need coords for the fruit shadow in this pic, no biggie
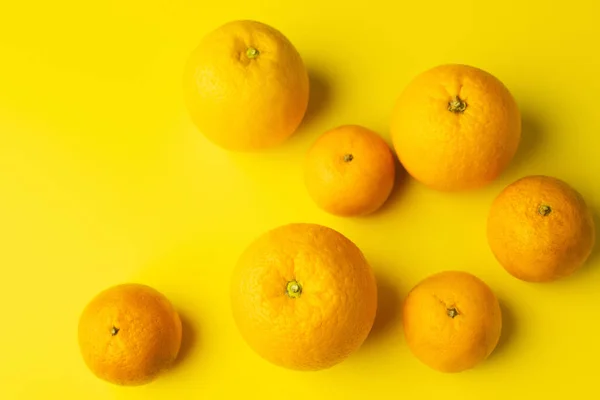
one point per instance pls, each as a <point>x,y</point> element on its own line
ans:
<point>531,140</point>
<point>189,340</point>
<point>319,102</point>
<point>389,310</point>
<point>401,181</point>
<point>591,268</point>
<point>319,96</point>
<point>508,331</point>
<point>594,257</point>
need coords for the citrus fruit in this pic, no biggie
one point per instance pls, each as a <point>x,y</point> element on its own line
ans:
<point>455,127</point>
<point>129,334</point>
<point>246,86</point>
<point>452,321</point>
<point>349,171</point>
<point>540,229</point>
<point>303,296</point>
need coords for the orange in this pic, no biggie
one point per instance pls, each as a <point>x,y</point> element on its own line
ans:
<point>129,334</point>
<point>349,171</point>
<point>303,296</point>
<point>452,321</point>
<point>455,127</point>
<point>540,229</point>
<point>246,86</point>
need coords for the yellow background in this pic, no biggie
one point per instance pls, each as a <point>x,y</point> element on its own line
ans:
<point>103,179</point>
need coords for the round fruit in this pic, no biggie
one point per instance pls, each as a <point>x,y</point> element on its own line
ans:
<point>455,127</point>
<point>540,229</point>
<point>129,334</point>
<point>246,86</point>
<point>452,321</point>
<point>350,171</point>
<point>303,296</point>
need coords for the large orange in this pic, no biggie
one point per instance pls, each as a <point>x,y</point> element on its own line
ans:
<point>246,86</point>
<point>129,334</point>
<point>349,171</point>
<point>452,321</point>
<point>303,296</point>
<point>455,127</point>
<point>540,229</point>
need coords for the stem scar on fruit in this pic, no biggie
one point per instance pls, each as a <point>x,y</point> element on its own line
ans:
<point>348,157</point>
<point>114,331</point>
<point>544,210</point>
<point>457,105</point>
<point>251,52</point>
<point>293,289</point>
<point>452,312</point>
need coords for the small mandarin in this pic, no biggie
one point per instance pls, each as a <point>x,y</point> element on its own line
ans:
<point>452,321</point>
<point>349,171</point>
<point>540,229</point>
<point>129,334</point>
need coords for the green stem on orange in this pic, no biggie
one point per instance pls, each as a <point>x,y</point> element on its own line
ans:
<point>457,105</point>
<point>544,210</point>
<point>251,52</point>
<point>293,289</point>
<point>452,312</point>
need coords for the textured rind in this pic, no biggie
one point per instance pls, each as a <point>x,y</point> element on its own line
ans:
<point>148,339</point>
<point>358,187</point>
<point>244,104</point>
<point>537,248</point>
<point>452,344</point>
<point>333,315</point>
<point>455,151</point>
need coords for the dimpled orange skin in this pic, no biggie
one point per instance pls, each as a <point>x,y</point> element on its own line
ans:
<point>455,127</point>
<point>540,229</point>
<point>452,321</point>
<point>349,171</point>
<point>325,319</point>
<point>129,334</point>
<point>246,86</point>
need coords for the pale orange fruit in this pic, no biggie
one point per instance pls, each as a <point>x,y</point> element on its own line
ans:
<point>246,86</point>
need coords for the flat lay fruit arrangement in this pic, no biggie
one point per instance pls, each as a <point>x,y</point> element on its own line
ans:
<point>304,296</point>
<point>292,247</point>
